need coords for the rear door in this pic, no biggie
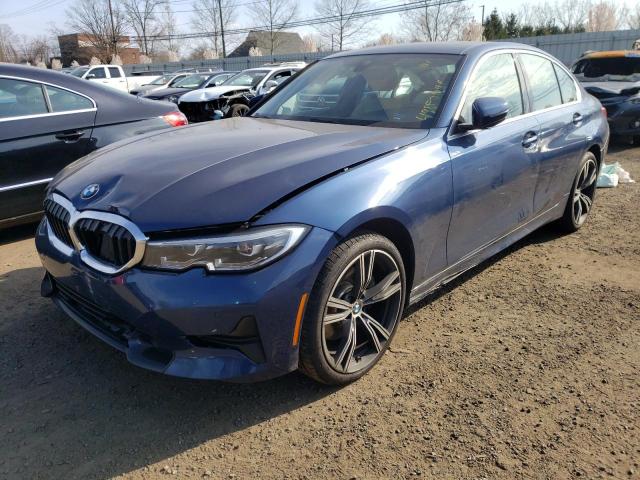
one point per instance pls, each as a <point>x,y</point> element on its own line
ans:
<point>42,129</point>
<point>494,170</point>
<point>554,99</point>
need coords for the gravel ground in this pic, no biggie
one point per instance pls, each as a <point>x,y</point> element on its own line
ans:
<point>526,367</point>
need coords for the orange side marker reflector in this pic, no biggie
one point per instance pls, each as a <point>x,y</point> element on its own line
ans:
<point>296,330</point>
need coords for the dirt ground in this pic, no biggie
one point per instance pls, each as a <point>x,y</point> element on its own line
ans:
<point>527,367</point>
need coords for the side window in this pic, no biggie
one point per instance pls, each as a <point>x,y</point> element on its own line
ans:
<point>98,72</point>
<point>19,98</point>
<point>567,85</point>
<point>114,72</point>
<point>64,101</point>
<point>281,76</point>
<point>543,84</point>
<point>496,77</point>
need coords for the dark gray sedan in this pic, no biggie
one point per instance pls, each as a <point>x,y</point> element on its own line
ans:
<point>49,119</point>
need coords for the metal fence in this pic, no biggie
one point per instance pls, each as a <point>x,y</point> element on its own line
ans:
<point>229,64</point>
<point>566,47</point>
<point>569,47</point>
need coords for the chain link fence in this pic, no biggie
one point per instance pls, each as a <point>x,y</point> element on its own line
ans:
<point>228,64</point>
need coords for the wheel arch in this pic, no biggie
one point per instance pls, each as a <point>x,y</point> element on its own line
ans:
<point>597,152</point>
<point>389,223</point>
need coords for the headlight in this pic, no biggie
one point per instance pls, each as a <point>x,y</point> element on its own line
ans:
<point>173,98</point>
<point>235,252</point>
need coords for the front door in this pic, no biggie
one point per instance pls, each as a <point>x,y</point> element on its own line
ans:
<point>494,170</point>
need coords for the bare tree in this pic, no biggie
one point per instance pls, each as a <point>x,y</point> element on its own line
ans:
<point>310,43</point>
<point>348,27</point>
<point>273,17</point>
<point>572,14</point>
<point>142,16</point>
<point>606,15</point>
<point>634,18</point>
<point>8,53</point>
<point>169,27</point>
<point>93,18</point>
<point>472,32</point>
<point>214,16</point>
<point>537,14</point>
<point>437,22</point>
<point>34,50</point>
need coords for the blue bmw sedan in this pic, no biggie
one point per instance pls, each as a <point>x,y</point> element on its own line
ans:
<point>294,237</point>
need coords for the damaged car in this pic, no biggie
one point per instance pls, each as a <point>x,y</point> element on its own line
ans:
<point>190,82</point>
<point>614,79</point>
<point>296,236</point>
<point>234,97</point>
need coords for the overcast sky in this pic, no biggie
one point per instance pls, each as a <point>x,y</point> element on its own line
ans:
<point>35,22</point>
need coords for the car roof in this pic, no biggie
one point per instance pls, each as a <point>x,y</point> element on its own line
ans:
<point>612,54</point>
<point>37,74</point>
<point>453,48</point>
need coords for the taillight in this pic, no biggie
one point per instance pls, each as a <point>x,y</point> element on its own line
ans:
<point>604,111</point>
<point>175,119</point>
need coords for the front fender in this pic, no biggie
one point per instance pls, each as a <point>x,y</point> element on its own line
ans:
<point>411,186</point>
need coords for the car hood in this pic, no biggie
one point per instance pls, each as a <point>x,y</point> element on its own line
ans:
<point>165,92</point>
<point>222,172</point>
<point>211,93</point>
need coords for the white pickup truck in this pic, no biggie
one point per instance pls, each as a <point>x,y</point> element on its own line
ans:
<point>112,76</point>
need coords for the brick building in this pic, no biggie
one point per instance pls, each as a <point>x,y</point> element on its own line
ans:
<point>79,47</point>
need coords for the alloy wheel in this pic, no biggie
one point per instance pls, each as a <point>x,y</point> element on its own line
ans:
<point>362,311</point>
<point>584,191</point>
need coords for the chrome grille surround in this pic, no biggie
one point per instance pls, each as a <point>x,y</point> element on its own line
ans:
<point>85,256</point>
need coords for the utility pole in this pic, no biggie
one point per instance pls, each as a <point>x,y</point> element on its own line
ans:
<point>224,50</point>
<point>113,30</point>
<point>482,23</point>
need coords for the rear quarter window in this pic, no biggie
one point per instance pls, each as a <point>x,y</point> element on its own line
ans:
<point>567,85</point>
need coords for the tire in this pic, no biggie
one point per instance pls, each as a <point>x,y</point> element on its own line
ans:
<point>238,110</point>
<point>582,195</point>
<point>371,312</point>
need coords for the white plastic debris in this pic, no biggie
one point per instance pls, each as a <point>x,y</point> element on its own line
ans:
<point>611,175</point>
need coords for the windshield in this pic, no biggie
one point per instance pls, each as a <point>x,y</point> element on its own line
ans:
<point>162,79</point>
<point>247,78</point>
<point>191,81</point>
<point>78,72</point>
<point>395,90</point>
<point>621,69</point>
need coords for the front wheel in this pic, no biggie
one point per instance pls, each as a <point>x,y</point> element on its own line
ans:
<point>238,110</point>
<point>354,310</point>
<point>582,195</point>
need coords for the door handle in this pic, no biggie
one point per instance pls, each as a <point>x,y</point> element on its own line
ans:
<point>530,139</point>
<point>577,118</point>
<point>69,137</point>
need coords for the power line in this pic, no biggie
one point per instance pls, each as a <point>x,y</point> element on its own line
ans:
<point>414,5</point>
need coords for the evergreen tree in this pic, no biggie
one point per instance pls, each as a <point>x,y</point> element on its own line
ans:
<point>511,26</point>
<point>494,27</point>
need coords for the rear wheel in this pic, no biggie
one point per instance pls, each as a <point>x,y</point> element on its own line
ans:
<point>582,194</point>
<point>354,310</point>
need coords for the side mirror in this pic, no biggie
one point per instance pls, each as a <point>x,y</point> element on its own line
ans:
<point>270,85</point>
<point>486,112</point>
<point>91,76</point>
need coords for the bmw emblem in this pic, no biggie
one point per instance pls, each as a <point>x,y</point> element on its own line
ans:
<point>89,191</point>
